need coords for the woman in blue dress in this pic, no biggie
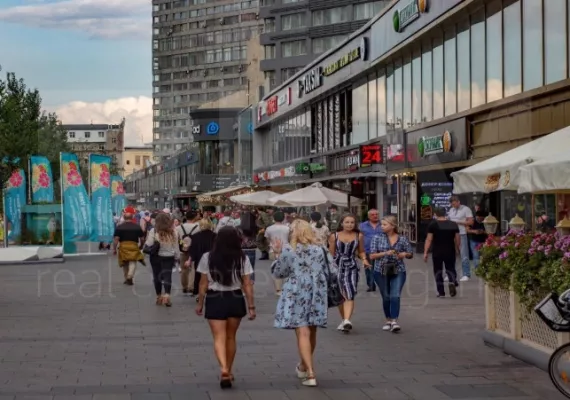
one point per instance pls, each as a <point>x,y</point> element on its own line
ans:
<point>344,246</point>
<point>303,305</point>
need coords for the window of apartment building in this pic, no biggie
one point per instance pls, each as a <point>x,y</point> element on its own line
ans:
<point>164,88</point>
<point>331,16</point>
<point>114,140</point>
<point>288,73</point>
<point>321,45</point>
<point>269,52</point>
<point>270,77</point>
<point>128,162</point>
<point>294,48</point>
<point>269,25</point>
<point>214,83</point>
<point>265,3</point>
<point>101,147</point>
<point>101,134</point>
<point>71,134</point>
<point>368,10</point>
<point>249,17</point>
<point>137,160</point>
<point>87,135</point>
<point>290,1</point>
<point>293,21</point>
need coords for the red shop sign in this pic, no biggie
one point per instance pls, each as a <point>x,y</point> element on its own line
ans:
<point>370,154</point>
<point>272,105</point>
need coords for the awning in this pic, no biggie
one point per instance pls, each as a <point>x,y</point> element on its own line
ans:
<point>230,189</point>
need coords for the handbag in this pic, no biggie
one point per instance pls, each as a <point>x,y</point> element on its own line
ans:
<point>153,249</point>
<point>334,294</point>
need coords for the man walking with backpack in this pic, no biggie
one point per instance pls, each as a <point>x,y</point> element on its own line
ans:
<point>184,233</point>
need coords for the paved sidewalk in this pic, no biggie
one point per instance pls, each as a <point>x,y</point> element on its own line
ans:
<point>73,331</point>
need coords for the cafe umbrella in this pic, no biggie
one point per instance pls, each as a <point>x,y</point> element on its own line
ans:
<point>314,195</point>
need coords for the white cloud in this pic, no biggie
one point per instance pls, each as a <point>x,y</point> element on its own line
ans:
<point>137,112</point>
<point>97,18</point>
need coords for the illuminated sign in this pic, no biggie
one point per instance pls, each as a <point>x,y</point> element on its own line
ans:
<point>408,14</point>
<point>370,154</point>
<point>311,81</point>
<point>271,106</point>
<point>360,53</point>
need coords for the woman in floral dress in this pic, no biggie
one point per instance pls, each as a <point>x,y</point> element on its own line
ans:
<point>303,302</point>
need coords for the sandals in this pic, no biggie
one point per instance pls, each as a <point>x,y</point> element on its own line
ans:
<point>226,380</point>
<point>163,300</point>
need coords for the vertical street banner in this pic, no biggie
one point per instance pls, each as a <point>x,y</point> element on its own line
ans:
<point>76,207</point>
<point>118,198</point>
<point>14,200</point>
<point>100,184</point>
<point>41,180</point>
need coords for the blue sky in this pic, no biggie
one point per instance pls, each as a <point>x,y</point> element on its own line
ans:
<point>78,50</point>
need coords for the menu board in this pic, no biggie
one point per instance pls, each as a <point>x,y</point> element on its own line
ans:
<point>434,195</point>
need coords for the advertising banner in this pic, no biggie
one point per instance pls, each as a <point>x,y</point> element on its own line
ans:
<point>118,199</point>
<point>42,180</point>
<point>76,207</point>
<point>14,200</point>
<point>100,184</point>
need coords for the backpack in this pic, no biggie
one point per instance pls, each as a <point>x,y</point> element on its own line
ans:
<point>186,240</point>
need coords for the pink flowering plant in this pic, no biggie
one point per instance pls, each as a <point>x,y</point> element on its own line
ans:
<point>531,265</point>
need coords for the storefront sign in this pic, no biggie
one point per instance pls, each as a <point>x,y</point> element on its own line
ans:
<point>360,53</point>
<point>353,161</point>
<point>195,130</point>
<point>305,168</point>
<point>261,110</point>
<point>284,99</point>
<point>434,195</point>
<point>370,154</point>
<point>434,145</point>
<point>311,81</point>
<point>271,106</point>
<point>408,14</point>
<point>281,173</point>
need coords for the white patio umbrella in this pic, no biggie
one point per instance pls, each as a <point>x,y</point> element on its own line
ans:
<point>314,195</point>
<point>545,174</point>
<point>254,198</point>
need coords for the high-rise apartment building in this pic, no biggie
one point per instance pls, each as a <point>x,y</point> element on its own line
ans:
<point>199,55</point>
<point>297,31</point>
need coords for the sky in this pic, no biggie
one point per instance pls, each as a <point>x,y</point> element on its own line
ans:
<point>90,59</point>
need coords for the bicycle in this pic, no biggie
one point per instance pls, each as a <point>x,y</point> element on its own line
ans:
<point>554,310</point>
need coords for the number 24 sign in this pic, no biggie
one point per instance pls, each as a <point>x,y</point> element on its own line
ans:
<point>370,154</point>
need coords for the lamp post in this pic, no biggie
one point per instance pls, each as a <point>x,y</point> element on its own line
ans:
<point>563,227</point>
<point>517,224</point>
<point>491,224</point>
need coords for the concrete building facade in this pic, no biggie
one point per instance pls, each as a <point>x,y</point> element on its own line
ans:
<point>199,55</point>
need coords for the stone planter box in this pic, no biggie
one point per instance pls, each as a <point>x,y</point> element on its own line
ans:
<point>516,332</point>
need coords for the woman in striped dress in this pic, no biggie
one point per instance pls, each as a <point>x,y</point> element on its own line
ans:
<point>344,245</point>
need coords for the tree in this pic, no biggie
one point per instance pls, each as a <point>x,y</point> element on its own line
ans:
<point>25,130</point>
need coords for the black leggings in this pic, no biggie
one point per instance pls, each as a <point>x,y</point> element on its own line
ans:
<point>162,273</point>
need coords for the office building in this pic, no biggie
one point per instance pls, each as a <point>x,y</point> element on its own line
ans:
<point>296,32</point>
<point>199,55</point>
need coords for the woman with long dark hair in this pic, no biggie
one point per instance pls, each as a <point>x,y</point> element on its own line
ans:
<point>320,230</point>
<point>202,242</point>
<point>225,275</point>
<point>249,229</point>
<point>168,254</point>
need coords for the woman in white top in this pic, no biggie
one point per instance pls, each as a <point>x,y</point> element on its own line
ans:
<point>321,231</point>
<point>225,275</point>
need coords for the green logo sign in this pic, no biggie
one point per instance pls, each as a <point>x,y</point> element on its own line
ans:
<point>305,168</point>
<point>434,145</point>
<point>425,200</point>
<point>408,14</point>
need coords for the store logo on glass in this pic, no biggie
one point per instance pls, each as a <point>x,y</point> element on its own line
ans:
<point>409,13</point>
<point>428,146</point>
<point>212,129</point>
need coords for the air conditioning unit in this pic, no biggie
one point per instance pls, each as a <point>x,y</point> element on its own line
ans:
<point>221,21</point>
<point>222,70</point>
<point>170,32</point>
<point>256,15</point>
<point>240,69</point>
<point>203,25</point>
<point>205,73</point>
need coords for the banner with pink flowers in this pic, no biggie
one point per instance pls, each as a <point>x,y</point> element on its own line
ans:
<point>14,200</point>
<point>101,210</point>
<point>42,180</point>
<point>118,195</point>
<point>76,206</point>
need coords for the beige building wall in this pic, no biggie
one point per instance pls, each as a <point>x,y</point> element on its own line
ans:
<point>242,98</point>
<point>135,158</point>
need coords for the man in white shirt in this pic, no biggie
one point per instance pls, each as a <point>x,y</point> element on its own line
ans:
<point>225,220</point>
<point>184,233</point>
<point>277,231</point>
<point>463,217</point>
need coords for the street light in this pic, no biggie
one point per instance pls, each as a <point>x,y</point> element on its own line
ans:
<point>517,224</point>
<point>491,224</point>
<point>563,227</point>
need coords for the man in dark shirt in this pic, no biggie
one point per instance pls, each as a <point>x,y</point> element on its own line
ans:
<point>477,235</point>
<point>129,237</point>
<point>444,240</point>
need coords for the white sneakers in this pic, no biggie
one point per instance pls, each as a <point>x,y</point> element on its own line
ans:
<point>464,279</point>
<point>392,327</point>
<point>306,380</point>
<point>345,326</point>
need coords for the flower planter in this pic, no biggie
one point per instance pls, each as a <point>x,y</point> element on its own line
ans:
<point>520,334</point>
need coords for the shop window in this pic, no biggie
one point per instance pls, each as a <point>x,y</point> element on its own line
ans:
<point>390,98</point>
<point>417,88</point>
<point>349,135</point>
<point>555,40</point>
<point>360,114</point>
<point>325,121</point>
<point>427,83</point>
<point>398,94</point>
<point>450,71</point>
<point>494,52</point>
<point>532,44</point>
<point>381,100</point>
<point>512,48</point>
<point>478,58</point>
<point>463,71</point>
<point>330,123</point>
<point>407,93</point>
<point>372,107</point>
<point>438,78</point>
<point>336,121</point>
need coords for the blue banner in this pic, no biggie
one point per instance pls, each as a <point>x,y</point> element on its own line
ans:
<point>76,207</point>
<point>101,213</point>
<point>42,180</point>
<point>14,200</point>
<point>118,198</point>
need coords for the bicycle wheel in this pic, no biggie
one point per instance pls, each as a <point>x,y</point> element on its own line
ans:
<point>559,369</point>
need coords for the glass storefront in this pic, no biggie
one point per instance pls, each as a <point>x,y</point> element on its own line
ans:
<point>290,138</point>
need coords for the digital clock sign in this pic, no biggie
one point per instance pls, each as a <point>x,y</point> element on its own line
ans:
<point>370,154</point>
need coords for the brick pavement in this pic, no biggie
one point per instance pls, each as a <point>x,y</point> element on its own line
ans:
<point>73,331</point>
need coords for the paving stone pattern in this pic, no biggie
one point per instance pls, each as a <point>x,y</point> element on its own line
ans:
<point>73,331</point>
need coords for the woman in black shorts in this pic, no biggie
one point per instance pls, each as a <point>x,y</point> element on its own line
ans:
<point>225,276</point>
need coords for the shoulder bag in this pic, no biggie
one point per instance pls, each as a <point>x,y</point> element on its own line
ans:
<point>153,249</point>
<point>334,294</point>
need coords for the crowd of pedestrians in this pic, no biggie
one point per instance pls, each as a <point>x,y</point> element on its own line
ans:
<point>316,265</point>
